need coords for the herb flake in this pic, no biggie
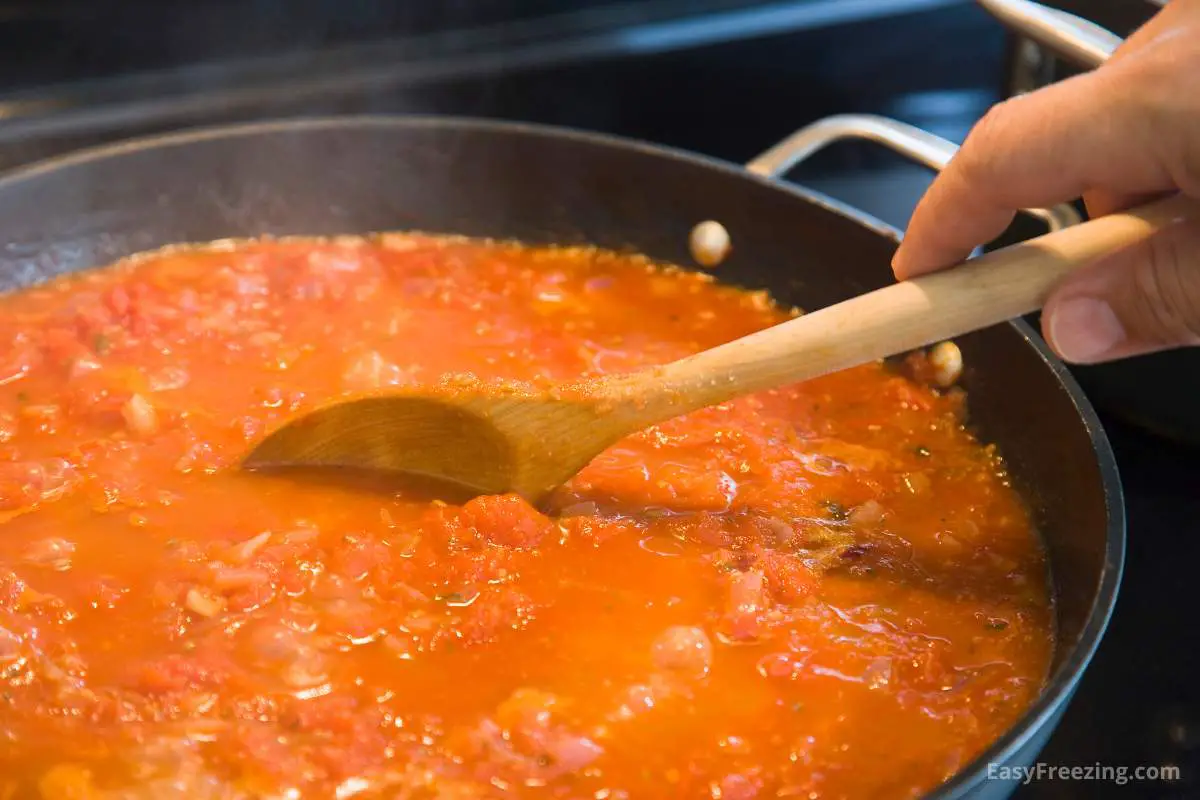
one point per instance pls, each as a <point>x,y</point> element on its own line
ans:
<point>836,511</point>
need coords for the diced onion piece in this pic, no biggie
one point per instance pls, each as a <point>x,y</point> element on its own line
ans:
<point>244,551</point>
<point>168,378</point>
<point>747,600</point>
<point>526,706</point>
<point>684,650</point>
<point>226,579</point>
<point>636,700</point>
<point>301,534</point>
<point>946,359</point>
<point>140,416</point>
<point>53,552</point>
<point>351,787</point>
<point>569,752</point>
<point>41,412</point>
<point>866,516</point>
<point>27,483</point>
<point>747,591</point>
<point>30,597</point>
<point>781,533</point>
<point>289,654</point>
<point>276,643</point>
<point>709,243</point>
<point>82,366</point>
<point>527,735</point>
<point>878,673</point>
<point>200,602</point>
<point>303,674</point>
<point>777,666</point>
<point>372,371</point>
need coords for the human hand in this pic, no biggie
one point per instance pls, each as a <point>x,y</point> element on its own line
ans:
<point>1117,136</point>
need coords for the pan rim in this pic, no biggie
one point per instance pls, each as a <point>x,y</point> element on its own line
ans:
<point>1059,687</point>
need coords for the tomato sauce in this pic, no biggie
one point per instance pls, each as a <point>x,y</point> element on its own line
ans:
<point>829,590</point>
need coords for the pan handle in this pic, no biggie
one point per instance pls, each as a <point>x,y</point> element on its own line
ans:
<point>921,146</point>
<point>1084,43</point>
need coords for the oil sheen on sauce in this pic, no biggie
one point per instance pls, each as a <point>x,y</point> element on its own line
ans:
<point>824,591</point>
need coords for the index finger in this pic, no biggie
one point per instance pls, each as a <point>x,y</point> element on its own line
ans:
<point>1036,150</point>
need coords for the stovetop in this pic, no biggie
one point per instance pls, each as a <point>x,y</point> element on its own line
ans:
<point>720,77</point>
<point>1138,703</point>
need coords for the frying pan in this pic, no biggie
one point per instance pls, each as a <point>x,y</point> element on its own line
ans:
<point>549,185</point>
<point>1155,392</point>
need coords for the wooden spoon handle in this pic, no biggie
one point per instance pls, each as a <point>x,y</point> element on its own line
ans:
<point>986,290</point>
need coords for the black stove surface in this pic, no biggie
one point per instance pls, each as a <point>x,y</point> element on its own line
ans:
<point>1139,703</point>
<point>934,63</point>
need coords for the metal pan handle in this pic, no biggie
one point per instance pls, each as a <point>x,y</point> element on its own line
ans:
<point>921,146</point>
<point>1084,43</point>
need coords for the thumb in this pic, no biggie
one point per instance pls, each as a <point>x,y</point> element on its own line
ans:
<point>1140,300</point>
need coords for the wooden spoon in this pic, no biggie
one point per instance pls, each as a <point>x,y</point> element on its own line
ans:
<point>489,441</point>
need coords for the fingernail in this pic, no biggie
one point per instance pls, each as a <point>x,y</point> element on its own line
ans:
<point>1084,329</point>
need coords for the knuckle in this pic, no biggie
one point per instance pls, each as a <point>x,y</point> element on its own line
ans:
<point>1158,90</point>
<point>1165,301</point>
<point>976,160</point>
